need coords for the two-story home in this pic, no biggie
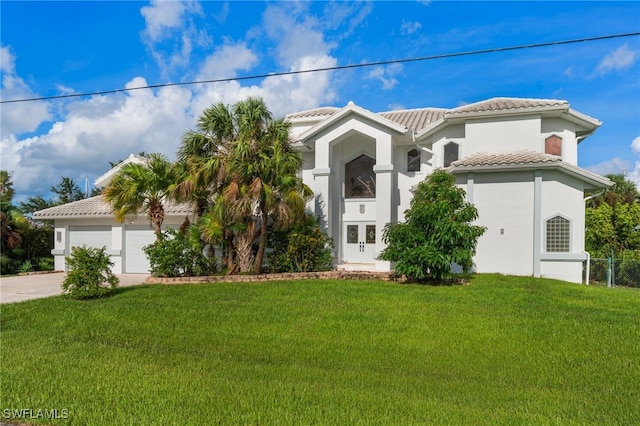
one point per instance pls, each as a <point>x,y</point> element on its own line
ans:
<point>515,158</point>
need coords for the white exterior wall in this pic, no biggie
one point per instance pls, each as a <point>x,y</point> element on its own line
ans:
<point>502,135</point>
<point>505,203</point>
<point>564,129</point>
<point>563,195</point>
<point>115,249</point>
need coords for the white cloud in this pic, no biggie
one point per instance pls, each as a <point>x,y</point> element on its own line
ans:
<point>226,61</point>
<point>96,131</point>
<point>409,27</point>
<point>170,34</point>
<point>617,165</point>
<point>618,60</point>
<point>386,75</point>
<point>23,116</point>
<point>93,131</point>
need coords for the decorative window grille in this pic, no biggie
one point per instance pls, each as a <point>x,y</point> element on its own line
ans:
<point>558,234</point>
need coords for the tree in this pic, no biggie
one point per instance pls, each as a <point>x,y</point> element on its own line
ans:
<point>239,163</point>
<point>142,188</point>
<point>437,231</point>
<point>622,191</point>
<point>67,191</point>
<point>612,220</point>
<point>34,204</point>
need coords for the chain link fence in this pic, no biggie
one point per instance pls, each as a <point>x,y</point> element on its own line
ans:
<point>612,272</point>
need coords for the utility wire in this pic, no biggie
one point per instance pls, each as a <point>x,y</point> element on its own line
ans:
<point>336,68</point>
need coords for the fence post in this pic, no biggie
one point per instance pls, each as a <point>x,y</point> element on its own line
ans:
<point>609,271</point>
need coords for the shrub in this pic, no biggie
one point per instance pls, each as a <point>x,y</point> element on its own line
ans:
<point>303,248</point>
<point>25,267</point>
<point>180,254</point>
<point>89,273</point>
<point>437,231</point>
<point>46,264</point>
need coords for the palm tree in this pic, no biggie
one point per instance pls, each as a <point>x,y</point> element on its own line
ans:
<point>142,188</point>
<point>623,191</point>
<point>242,158</point>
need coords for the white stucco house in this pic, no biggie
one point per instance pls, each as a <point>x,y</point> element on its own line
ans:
<point>515,158</point>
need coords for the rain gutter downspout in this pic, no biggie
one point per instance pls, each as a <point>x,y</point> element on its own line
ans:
<point>588,268</point>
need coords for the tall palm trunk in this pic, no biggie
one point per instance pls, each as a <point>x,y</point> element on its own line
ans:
<point>244,249</point>
<point>262,244</point>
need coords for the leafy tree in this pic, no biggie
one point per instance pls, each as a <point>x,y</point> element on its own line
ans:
<point>142,188</point>
<point>437,231</point>
<point>6,190</point>
<point>37,203</point>
<point>612,220</point>
<point>67,191</point>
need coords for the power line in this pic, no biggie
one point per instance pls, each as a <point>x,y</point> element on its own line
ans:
<point>336,68</point>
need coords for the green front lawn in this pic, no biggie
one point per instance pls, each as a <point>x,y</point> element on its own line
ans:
<point>502,350</point>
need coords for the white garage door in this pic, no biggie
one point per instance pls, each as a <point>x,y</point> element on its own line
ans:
<point>135,259</point>
<point>91,236</point>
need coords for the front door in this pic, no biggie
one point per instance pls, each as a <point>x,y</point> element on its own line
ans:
<point>359,242</point>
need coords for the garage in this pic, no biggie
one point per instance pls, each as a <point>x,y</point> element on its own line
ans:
<point>91,236</point>
<point>135,239</point>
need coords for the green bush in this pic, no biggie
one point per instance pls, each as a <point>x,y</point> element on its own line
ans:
<point>437,231</point>
<point>26,267</point>
<point>46,264</point>
<point>180,254</point>
<point>303,248</point>
<point>89,273</point>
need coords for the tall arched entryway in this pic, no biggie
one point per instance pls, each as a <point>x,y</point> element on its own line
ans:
<point>359,226</point>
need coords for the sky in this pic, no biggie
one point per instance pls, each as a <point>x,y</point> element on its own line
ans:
<point>54,48</point>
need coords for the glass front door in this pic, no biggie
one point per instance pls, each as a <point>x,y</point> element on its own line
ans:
<point>359,242</point>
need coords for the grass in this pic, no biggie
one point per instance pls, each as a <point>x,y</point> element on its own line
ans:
<point>502,350</point>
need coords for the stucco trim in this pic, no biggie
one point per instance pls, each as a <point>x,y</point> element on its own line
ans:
<point>322,171</point>
<point>571,257</point>
<point>383,168</point>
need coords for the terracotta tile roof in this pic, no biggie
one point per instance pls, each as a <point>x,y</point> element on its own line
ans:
<point>98,207</point>
<point>501,104</point>
<point>506,158</point>
<point>415,119</point>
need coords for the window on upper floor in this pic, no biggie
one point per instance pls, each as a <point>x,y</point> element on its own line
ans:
<point>413,160</point>
<point>450,153</point>
<point>359,178</point>
<point>558,234</point>
<point>553,145</point>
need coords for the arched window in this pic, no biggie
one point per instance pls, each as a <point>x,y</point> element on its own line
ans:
<point>558,234</point>
<point>413,160</point>
<point>359,178</point>
<point>450,153</point>
<point>553,145</point>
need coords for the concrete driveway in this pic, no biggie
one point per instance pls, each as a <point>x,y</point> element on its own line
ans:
<point>26,287</point>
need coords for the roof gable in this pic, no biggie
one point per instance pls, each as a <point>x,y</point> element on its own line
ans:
<point>352,109</point>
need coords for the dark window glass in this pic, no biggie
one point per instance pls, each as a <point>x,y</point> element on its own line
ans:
<point>371,234</point>
<point>360,180</point>
<point>352,234</point>
<point>450,153</point>
<point>413,161</point>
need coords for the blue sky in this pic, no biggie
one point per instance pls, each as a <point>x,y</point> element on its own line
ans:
<point>52,48</point>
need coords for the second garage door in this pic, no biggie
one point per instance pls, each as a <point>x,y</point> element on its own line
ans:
<point>135,259</point>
